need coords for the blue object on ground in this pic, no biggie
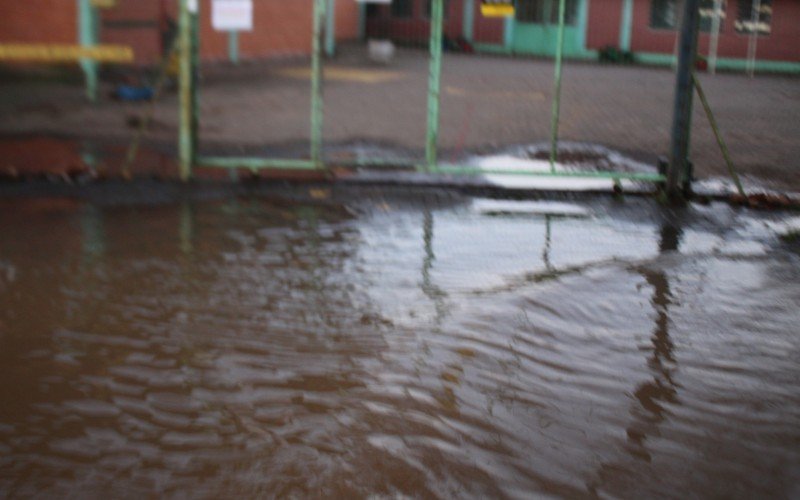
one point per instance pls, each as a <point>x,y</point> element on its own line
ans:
<point>132,93</point>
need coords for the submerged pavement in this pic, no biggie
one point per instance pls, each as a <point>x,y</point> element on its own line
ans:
<point>395,342</point>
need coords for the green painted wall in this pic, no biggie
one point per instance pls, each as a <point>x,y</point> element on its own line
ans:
<point>626,25</point>
<point>541,39</point>
<point>725,64</point>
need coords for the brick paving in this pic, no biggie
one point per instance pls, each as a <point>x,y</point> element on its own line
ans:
<point>488,103</point>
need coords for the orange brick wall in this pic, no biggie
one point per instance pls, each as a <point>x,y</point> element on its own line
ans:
<point>136,23</point>
<point>45,21</point>
<point>347,19</point>
<point>282,28</point>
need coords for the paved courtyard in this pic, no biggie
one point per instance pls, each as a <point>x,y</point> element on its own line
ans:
<point>488,103</point>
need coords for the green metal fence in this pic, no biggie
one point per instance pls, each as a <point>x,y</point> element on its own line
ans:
<point>316,159</point>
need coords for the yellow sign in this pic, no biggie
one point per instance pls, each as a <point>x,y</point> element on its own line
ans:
<point>497,8</point>
<point>23,52</point>
<point>104,4</point>
<point>343,74</point>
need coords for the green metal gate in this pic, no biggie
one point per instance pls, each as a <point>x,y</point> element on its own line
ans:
<point>315,159</point>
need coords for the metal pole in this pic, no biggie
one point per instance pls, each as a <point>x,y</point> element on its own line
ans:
<point>88,24</point>
<point>316,83</point>
<point>722,146</point>
<point>133,149</point>
<point>557,92</point>
<point>434,83</point>
<point>682,113</point>
<point>752,43</point>
<point>233,46</point>
<point>186,147</point>
<point>714,44</point>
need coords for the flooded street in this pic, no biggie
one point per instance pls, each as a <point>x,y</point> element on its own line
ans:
<point>402,345</point>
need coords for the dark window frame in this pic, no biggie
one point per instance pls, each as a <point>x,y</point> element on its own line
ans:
<point>402,9</point>
<point>706,15</point>
<point>426,12</point>
<point>545,12</point>
<point>745,15</point>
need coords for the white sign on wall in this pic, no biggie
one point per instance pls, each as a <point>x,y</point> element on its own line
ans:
<point>232,15</point>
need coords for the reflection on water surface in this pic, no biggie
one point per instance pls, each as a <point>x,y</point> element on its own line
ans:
<point>404,347</point>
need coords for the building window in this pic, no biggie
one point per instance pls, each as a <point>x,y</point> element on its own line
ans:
<point>530,11</point>
<point>429,8</point>
<point>402,8</point>
<point>707,14</point>
<point>545,11</point>
<point>666,14</point>
<point>760,23</point>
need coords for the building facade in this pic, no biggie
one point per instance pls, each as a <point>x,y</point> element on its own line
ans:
<point>648,28</point>
<point>282,28</point>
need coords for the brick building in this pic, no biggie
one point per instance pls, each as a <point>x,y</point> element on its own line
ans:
<point>282,28</point>
<point>646,27</point>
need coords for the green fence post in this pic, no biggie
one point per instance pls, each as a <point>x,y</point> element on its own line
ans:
<point>557,92</point>
<point>88,25</point>
<point>187,99</point>
<point>317,109</point>
<point>434,83</point>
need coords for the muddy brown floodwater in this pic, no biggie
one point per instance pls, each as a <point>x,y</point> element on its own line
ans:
<point>400,347</point>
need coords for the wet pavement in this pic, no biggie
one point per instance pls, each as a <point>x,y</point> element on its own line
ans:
<point>374,342</point>
<point>489,104</point>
